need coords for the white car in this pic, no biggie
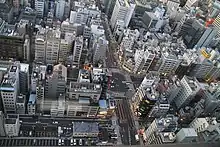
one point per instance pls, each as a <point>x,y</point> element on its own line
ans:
<point>80,142</point>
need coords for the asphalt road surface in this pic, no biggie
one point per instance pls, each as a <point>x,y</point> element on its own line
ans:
<point>126,124</point>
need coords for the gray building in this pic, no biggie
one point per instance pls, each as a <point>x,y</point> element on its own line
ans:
<point>21,104</point>
<point>2,121</point>
<point>186,135</point>
<point>85,129</point>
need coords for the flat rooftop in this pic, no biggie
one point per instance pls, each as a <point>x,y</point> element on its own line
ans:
<point>85,127</point>
<point>10,121</point>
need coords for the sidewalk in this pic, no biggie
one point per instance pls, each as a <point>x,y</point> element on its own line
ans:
<point>117,128</point>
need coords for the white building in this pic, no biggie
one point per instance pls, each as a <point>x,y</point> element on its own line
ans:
<point>189,4</point>
<point>189,88</point>
<point>169,63</point>
<point>172,5</point>
<point>100,47</point>
<point>164,124</point>
<point>39,7</point>
<point>77,51</point>
<point>12,127</point>
<point>40,45</point>
<point>123,11</point>
<point>143,59</point>
<point>60,6</point>
<point>31,105</point>
<point>10,89</point>
<point>204,124</point>
<point>80,16</point>
<point>186,135</point>
<point>53,45</point>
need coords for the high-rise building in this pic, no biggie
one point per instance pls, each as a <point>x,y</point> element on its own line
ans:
<point>189,88</point>
<point>21,104</point>
<point>60,6</point>
<point>40,46</point>
<point>39,7</point>
<point>167,124</point>
<point>10,89</point>
<point>207,128</point>
<point>169,63</point>
<point>24,78</point>
<point>12,37</point>
<point>143,60</point>
<point>12,126</point>
<point>77,50</point>
<point>199,36</point>
<point>123,11</point>
<point>146,91</point>
<point>53,45</point>
<point>172,5</point>
<point>100,47</point>
<point>65,49</point>
<point>186,135</point>
<point>2,122</point>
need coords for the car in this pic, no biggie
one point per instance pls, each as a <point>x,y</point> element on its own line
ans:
<point>55,122</point>
<point>71,141</point>
<point>74,141</point>
<point>62,142</point>
<point>80,142</point>
<point>59,142</point>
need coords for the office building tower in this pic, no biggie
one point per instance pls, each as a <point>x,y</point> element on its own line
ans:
<point>53,45</point>
<point>17,47</point>
<point>10,89</point>
<point>100,47</point>
<point>143,59</point>
<point>186,135</point>
<point>160,108</point>
<point>65,49</point>
<point>215,9</point>
<point>24,78</point>
<point>60,6</point>
<point>77,50</point>
<point>39,7</point>
<point>21,104</point>
<point>199,36</point>
<point>79,16</point>
<point>2,124</point>
<point>169,63</point>
<point>40,46</point>
<point>146,92</point>
<point>173,89</point>
<point>123,11</point>
<point>83,96</point>
<point>12,126</point>
<point>207,128</point>
<point>165,124</point>
<point>189,88</point>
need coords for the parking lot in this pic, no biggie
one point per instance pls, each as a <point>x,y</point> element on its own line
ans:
<point>46,142</point>
<point>118,83</point>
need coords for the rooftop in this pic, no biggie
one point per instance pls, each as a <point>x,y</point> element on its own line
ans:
<point>10,121</point>
<point>85,127</point>
<point>32,99</point>
<point>24,67</point>
<point>85,87</point>
<point>21,99</point>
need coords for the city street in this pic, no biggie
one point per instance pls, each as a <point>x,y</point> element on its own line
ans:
<point>126,122</point>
